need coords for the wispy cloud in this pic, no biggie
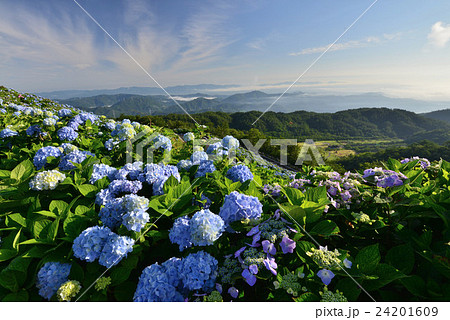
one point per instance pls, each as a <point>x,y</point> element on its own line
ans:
<point>205,33</point>
<point>352,44</point>
<point>439,35</point>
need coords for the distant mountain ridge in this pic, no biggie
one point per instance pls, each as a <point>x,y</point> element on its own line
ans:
<point>136,104</point>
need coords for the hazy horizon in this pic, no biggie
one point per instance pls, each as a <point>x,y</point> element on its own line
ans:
<point>400,49</point>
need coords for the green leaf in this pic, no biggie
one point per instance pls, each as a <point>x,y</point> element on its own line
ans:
<point>53,230</point>
<point>294,196</point>
<point>4,174</point>
<point>349,288</point>
<point>307,297</point>
<point>88,190</point>
<point>325,228</point>
<point>39,227</point>
<point>119,275</point>
<point>46,213</point>
<point>415,284</point>
<point>401,257</point>
<point>58,206</point>
<point>8,280</point>
<point>19,296</point>
<point>74,224</point>
<point>17,218</point>
<point>22,171</point>
<point>16,240</point>
<point>6,254</point>
<point>316,194</point>
<point>368,258</point>
<point>386,274</point>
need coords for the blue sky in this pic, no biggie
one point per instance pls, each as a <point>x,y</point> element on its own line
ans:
<point>400,48</point>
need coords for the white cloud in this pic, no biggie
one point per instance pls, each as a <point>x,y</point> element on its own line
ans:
<point>352,44</point>
<point>439,35</point>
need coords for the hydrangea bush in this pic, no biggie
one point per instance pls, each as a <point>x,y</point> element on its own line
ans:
<point>79,222</point>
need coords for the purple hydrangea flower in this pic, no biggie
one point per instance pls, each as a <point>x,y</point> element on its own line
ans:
<point>325,275</point>
<point>287,245</point>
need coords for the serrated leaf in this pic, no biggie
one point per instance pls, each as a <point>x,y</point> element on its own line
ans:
<point>401,257</point>
<point>58,206</point>
<point>46,213</point>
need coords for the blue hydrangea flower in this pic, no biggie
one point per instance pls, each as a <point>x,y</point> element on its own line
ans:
<point>198,271</point>
<point>46,180</point>
<point>89,244</point>
<point>64,113</point>
<point>110,144</point>
<point>238,206</point>
<point>118,187</point>
<point>206,166</point>
<point>48,122</point>
<point>33,131</point>
<point>50,277</point>
<point>6,133</point>
<point>130,170</point>
<point>188,136</point>
<point>239,173</point>
<point>67,134</point>
<point>135,220</point>
<point>216,149</point>
<point>180,233</point>
<point>198,156</point>
<point>155,286</point>
<point>110,125</point>
<point>184,164</point>
<point>73,157</point>
<point>152,172</point>
<point>230,142</point>
<point>163,142</point>
<point>102,170</point>
<point>205,227</point>
<point>111,214</point>
<point>124,131</point>
<point>115,249</point>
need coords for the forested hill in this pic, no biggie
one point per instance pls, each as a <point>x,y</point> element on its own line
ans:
<point>443,115</point>
<point>349,124</point>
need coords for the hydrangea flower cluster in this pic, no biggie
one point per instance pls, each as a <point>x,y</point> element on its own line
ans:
<point>289,283</point>
<point>198,156</point>
<point>50,277</point>
<point>129,210</point>
<point>40,158</point>
<point>216,149</point>
<point>124,130</point>
<point>274,190</point>
<point>266,236</point>
<point>384,178</point>
<point>230,142</point>
<point>342,189</point>
<point>48,122</point>
<point>102,244</point>
<point>102,170</point>
<point>67,134</point>
<point>362,218</point>
<point>240,173</point>
<point>205,166</point>
<point>423,162</point>
<point>68,290</point>
<point>188,136</point>
<point>329,296</point>
<point>162,142</point>
<point>6,133</point>
<point>46,180</point>
<point>238,206</point>
<point>203,229</point>
<point>68,160</point>
<point>34,131</point>
<point>327,260</point>
<point>176,277</point>
<point>184,164</point>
